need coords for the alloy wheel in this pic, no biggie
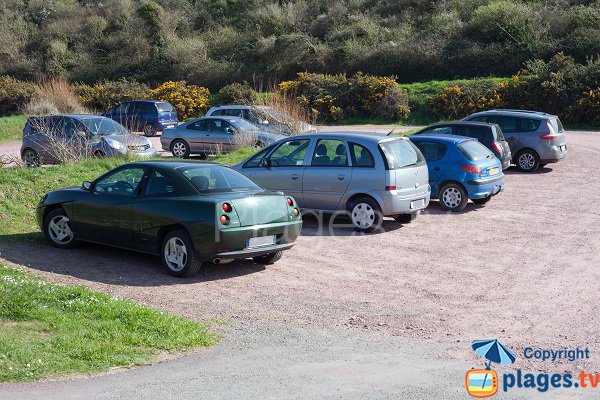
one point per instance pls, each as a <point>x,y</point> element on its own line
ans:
<point>526,161</point>
<point>175,254</point>
<point>179,149</point>
<point>59,230</point>
<point>363,216</point>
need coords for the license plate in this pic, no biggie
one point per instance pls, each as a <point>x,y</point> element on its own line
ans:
<point>494,171</point>
<point>170,126</point>
<point>417,204</point>
<point>563,148</point>
<point>260,241</point>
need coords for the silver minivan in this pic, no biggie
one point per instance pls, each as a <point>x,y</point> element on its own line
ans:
<point>368,175</point>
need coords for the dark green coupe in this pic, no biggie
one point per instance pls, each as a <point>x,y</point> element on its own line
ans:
<point>186,212</point>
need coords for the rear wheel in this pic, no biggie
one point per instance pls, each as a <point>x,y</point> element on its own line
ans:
<point>180,148</point>
<point>31,158</point>
<point>365,214</point>
<point>57,230</point>
<point>453,197</point>
<point>482,201</point>
<point>528,160</point>
<point>178,254</point>
<point>270,258</point>
<point>405,218</point>
<point>150,130</point>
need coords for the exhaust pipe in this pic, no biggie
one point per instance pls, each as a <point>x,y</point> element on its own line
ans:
<point>216,261</point>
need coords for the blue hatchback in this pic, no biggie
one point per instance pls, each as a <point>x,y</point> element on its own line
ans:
<point>148,116</point>
<point>460,168</point>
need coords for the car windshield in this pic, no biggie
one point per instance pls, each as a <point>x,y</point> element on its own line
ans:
<point>164,107</point>
<point>217,179</point>
<point>241,123</point>
<point>474,151</point>
<point>104,126</point>
<point>401,153</point>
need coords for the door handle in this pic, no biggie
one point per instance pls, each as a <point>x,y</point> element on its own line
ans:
<point>295,177</point>
<point>436,169</point>
<point>341,177</point>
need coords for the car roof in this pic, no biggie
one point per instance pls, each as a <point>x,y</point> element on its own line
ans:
<point>515,113</point>
<point>231,106</point>
<point>144,101</point>
<point>452,139</point>
<point>174,164</point>
<point>367,136</point>
<point>459,123</point>
<point>76,116</point>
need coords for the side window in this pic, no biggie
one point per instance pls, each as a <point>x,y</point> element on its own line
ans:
<point>330,153</point>
<point>361,156</point>
<point>432,151</point>
<point>529,125</point>
<point>481,118</point>
<point>217,125</point>
<point>290,153</point>
<point>256,160</point>
<point>68,127</point>
<point>217,113</point>
<point>508,124</point>
<point>197,126</point>
<point>443,130</point>
<point>123,182</point>
<point>122,108</point>
<point>234,112</point>
<point>159,185</point>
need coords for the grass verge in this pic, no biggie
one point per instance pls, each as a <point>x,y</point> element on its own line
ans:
<point>49,330</point>
<point>11,128</point>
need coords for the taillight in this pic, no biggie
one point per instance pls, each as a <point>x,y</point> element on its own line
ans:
<point>227,207</point>
<point>497,147</point>
<point>473,169</point>
<point>290,202</point>
<point>296,212</point>
<point>550,135</point>
<point>390,188</point>
<point>224,219</point>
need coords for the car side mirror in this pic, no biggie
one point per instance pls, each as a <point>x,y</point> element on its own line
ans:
<point>80,134</point>
<point>87,185</point>
<point>230,130</point>
<point>266,162</point>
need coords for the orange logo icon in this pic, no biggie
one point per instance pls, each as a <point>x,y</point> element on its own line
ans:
<point>482,382</point>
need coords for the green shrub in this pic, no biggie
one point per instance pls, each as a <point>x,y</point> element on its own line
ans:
<point>189,100</point>
<point>461,99</point>
<point>586,110</point>
<point>14,94</point>
<point>106,94</point>
<point>238,93</point>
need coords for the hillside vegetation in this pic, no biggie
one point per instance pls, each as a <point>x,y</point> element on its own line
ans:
<point>214,42</point>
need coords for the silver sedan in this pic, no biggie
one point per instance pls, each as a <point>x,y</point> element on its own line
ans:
<point>213,135</point>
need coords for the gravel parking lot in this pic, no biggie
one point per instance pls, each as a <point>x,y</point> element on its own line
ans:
<point>385,315</point>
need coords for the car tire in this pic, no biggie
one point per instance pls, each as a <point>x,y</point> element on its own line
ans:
<point>31,158</point>
<point>527,161</point>
<point>482,201</point>
<point>57,230</point>
<point>542,165</point>
<point>178,254</point>
<point>150,130</point>
<point>99,154</point>
<point>268,259</point>
<point>406,218</point>
<point>180,148</point>
<point>453,197</point>
<point>365,214</point>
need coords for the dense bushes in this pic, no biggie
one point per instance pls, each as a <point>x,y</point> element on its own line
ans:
<point>333,97</point>
<point>238,93</point>
<point>188,100</point>
<point>14,94</point>
<point>106,94</point>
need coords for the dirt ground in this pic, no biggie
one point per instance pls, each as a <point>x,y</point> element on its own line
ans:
<point>524,269</point>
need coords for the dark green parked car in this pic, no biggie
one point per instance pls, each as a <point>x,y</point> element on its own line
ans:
<point>186,212</point>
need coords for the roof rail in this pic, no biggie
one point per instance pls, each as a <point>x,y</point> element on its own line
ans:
<point>520,111</point>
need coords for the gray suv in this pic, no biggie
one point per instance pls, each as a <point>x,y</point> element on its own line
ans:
<point>535,138</point>
<point>366,175</point>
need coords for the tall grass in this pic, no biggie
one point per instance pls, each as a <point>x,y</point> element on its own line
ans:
<point>54,96</point>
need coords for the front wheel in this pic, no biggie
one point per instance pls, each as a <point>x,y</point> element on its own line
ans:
<point>150,130</point>
<point>180,148</point>
<point>365,214</point>
<point>31,158</point>
<point>483,200</point>
<point>453,197</point>
<point>270,258</point>
<point>57,230</point>
<point>178,254</point>
<point>528,161</point>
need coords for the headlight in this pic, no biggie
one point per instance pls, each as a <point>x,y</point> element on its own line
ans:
<point>114,144</point>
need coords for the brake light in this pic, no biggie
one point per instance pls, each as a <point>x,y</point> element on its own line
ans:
<point>550,134</point>
<point>548,137</point>
<point>290,202</point>
<point>227,207</point>
<point>390,188</point>
<point>296,212</point>
<point>473,169</point>
<point>497,147</point>
<point>224,219</point>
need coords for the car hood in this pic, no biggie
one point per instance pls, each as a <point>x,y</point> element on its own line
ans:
<point>127,140</point>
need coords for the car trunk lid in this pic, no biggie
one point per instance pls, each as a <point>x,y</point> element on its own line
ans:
<point>259,208</point>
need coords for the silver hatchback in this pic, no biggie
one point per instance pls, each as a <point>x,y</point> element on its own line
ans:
<point>367,175</point>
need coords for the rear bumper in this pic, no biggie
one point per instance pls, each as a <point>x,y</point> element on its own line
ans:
<point>162,125</point>
<point>394,203</point>
<point>553,153</point>
<point>481,188</point>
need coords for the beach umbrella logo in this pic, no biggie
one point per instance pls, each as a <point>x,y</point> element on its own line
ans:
<point>484,382</point>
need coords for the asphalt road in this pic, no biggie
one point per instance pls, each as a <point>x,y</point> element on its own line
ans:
<point>385,315</point>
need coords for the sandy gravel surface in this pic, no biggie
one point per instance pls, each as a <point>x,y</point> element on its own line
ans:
<point>524,269</point>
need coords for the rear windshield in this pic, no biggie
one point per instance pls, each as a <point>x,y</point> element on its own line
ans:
<point>401,153</point>
<point>557,125</point>
<point>474,150</point>
<point>216,179</point>
<point>499,134</point>
<point>164,107</point>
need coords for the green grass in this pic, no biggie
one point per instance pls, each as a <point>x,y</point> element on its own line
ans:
<point>22,188</point>
<point>49,330</point>
<point>11,128</point>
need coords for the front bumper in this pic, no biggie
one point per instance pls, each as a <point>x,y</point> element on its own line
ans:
<point>165,143</point>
